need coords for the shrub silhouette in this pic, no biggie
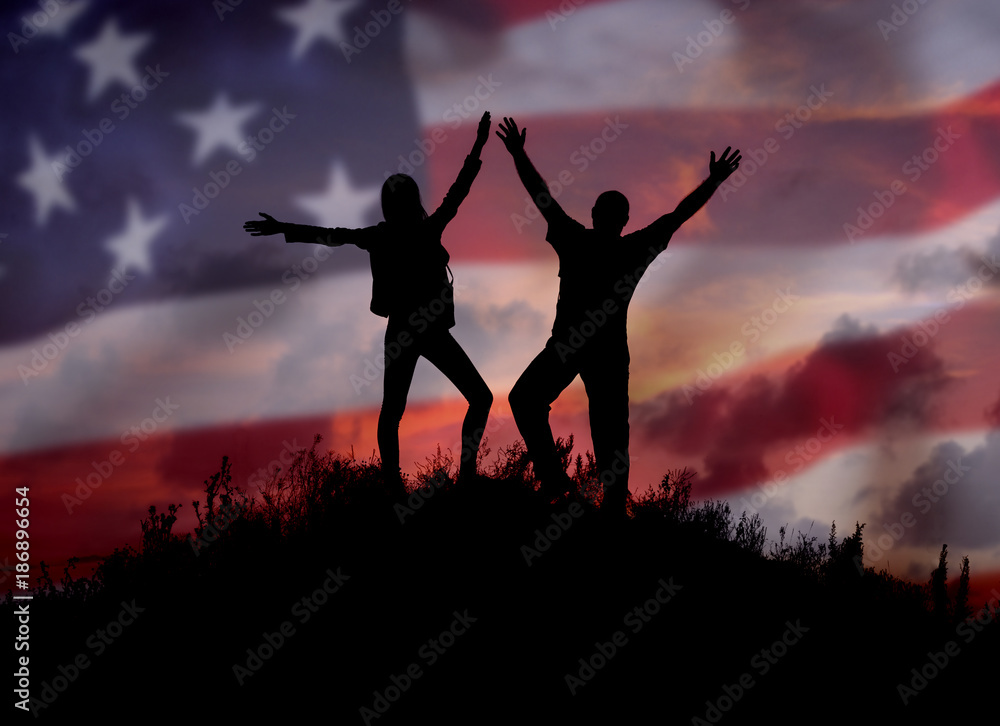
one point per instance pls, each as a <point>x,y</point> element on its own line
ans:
<point>962,609</point>
<point>940,601</point>
<point>212,595</point>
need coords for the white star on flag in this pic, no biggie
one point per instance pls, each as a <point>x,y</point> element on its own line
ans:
<point>132,246</point>
<point>220,125</point>
<point>316,19</point>
<point>341,204</point>
<point>40,179</point>
<point>111,57</point>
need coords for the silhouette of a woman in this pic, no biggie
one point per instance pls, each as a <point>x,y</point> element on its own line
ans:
<point>411,287</point>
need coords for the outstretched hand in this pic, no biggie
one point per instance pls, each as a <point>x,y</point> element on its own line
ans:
<point>508,133</point>
<point>483,132</point>
<point>720,170</point>
<point>266,226</point>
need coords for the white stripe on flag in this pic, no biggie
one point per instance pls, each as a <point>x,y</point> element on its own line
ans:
<point>640,54</point>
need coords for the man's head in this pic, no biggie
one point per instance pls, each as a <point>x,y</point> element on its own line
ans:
<point>610,212</point>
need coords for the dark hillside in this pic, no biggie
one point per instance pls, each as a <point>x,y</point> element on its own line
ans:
<point>484,604</point>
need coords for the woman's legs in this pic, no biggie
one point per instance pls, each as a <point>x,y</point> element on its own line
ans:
<point>447,355</point>
<point>398,376</point>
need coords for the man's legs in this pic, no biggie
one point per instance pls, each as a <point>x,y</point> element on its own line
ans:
<point>606,380</point>
<point>530,401</point>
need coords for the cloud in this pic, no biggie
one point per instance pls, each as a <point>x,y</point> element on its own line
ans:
<point>942,268</point>
<point>846,328</point>
<point>951,498</point>
<point>845,385</point>
<point>517,316</point>
<point>788,46</point>
<point>932,271</point>
<point>993,414</point>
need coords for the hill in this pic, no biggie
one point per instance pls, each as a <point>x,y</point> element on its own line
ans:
<point>324,596</point>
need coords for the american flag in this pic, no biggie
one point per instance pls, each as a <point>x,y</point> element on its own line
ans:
<point>819,342</point>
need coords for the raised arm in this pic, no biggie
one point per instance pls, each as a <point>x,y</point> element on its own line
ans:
<point>459,190</point>
<point>718,172</point>
<point>482,135</point>
<point>537,189</point>
<point>663,228</point>
<point>305,232</point>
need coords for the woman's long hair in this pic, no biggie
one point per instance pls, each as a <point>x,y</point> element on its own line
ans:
<point>401,200</point>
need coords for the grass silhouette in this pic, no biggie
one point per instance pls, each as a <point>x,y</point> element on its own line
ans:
<point>323,596</point>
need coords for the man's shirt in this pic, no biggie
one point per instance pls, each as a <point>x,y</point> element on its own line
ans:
<point>598,274</point>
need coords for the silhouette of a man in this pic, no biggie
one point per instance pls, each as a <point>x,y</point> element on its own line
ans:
<point>598,272</point>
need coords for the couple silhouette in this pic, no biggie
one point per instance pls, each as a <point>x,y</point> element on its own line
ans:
<point>598,272</point>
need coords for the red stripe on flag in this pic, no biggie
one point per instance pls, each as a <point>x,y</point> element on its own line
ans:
<point>490,14</point>
<point>828,182</point>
